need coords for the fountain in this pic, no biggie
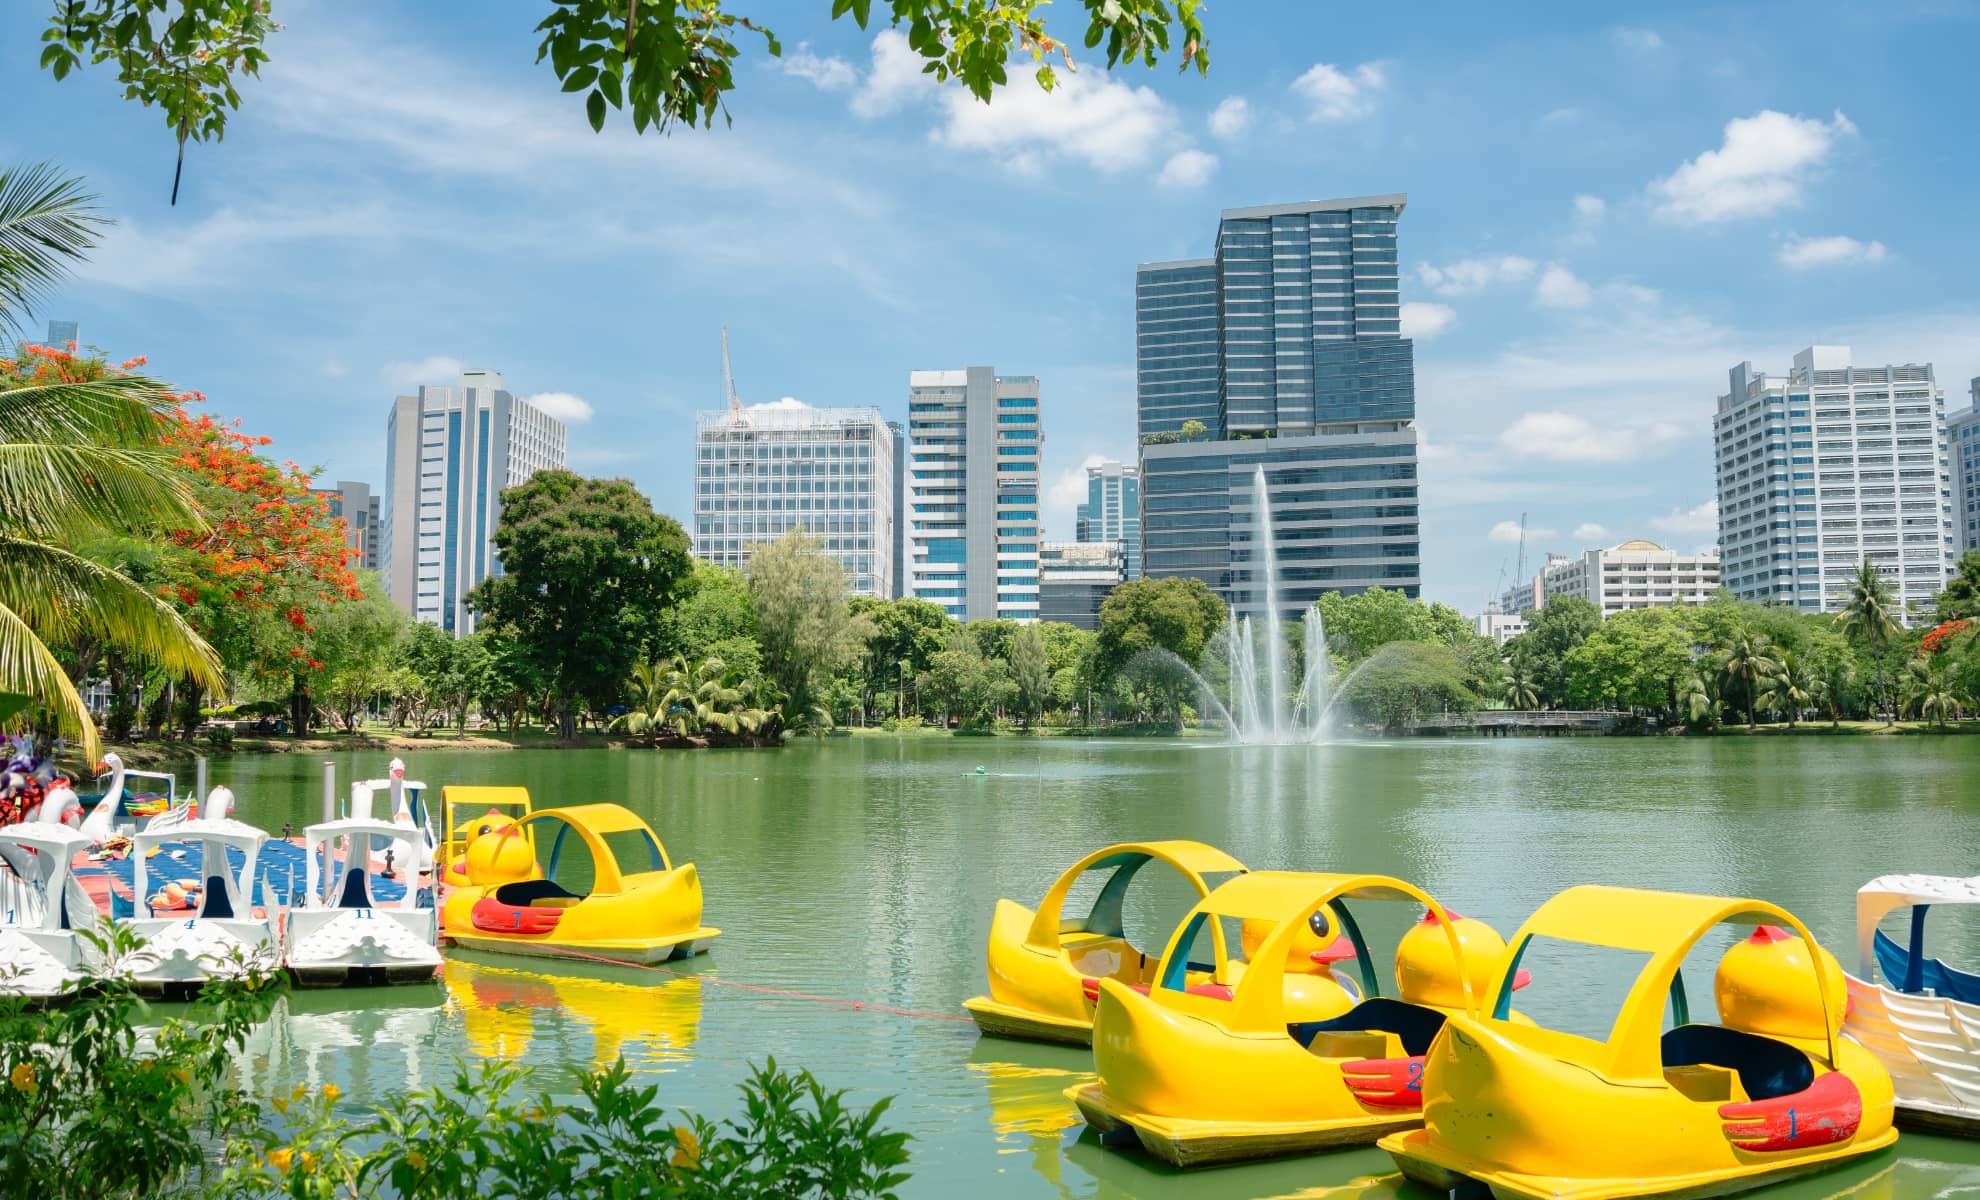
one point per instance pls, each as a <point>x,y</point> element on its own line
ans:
<point>1261,709</point>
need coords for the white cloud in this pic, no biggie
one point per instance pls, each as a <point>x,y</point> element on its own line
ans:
<point>333,368</point>
<point>781,404</point>
<point>1470,274</point>
<point>436,370</point>
<point>1564,437</point>
<point>1802,253</point>
<point>1231,118</point>
<point>1562,288</point>
<point>1560,116</point>
<point>829,74</point>
<point>1187,168</point>
<point>1336,95</point>
<point>1090,117</point>
<point>1509,533</point>
<point>571,410</point>
<point>1422,320</point>
<point>1701,521</point>
<point>1762,166</point>
<point>895,80</point>
<point>1069,489</point>
<point>1589,531</point>
<point>1640,40</point>
<point>1589,210</point>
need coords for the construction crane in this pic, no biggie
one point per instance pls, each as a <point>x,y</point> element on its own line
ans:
<point>729,382</point>
<point>1519,573</point>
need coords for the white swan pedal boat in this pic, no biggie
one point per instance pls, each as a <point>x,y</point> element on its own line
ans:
<point>179,953</point>
<point>43,912</point>
<point>342,933</point>
<point>1922,1020</point>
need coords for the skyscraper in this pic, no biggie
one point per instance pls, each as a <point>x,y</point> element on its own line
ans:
<point>62,333</point>
<point>1112,512</point>
<point>449,452</point>
<point>358,506</point>
<point>761,472</point>
<point>972,481</point>
<point>1286,348</point>
<point>1833,466</point>
<point>1963,453</point>
<point>1075,579</point>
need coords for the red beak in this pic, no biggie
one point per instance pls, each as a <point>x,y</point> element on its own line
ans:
<point>1341,950</point>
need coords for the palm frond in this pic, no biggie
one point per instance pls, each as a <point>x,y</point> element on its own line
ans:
<point>78,492</point>
<point>60,595</point>
<point>47,223</point>
<point>116,410</point>
<point>28,667</point>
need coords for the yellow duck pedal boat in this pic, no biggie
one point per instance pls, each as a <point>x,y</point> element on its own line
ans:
<point>643,912</point>
<point>1773,1091</point>
<point>1275,1052</point>
<point>1045,967</point>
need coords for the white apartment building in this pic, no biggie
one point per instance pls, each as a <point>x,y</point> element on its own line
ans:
<point>1963,453</point>
<point>1831,467</point>
<point>1633,574</point>
<point>1501,627</point>
<point>449,452</point>
<point>760,472</point>
<point>972,482</point>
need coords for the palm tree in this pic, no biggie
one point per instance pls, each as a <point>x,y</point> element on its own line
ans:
<point>1519,690</point>
<point>1931,690</point>
<point>1696,701</point>
<point>79,461</point>
<point>1869,615</point>
<point>1795,687</point>
<point>1836,677</point>
<point>1750,661</point>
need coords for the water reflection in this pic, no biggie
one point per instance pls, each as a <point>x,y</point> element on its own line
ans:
<point>1028,1108</point>
<point>504,1011</point>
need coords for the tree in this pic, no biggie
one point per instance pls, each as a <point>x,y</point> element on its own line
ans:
<point>588,570</point>
<point>82,459</point>
<point>1749,665</point>
<point>1698,703</point>
<point>665,64</point>
<point>1193,429</point>
<point>905,634</point>
<point>1869,619</point>
<point>1931,690</point>
<point>1552,631</point>
<point>1962,595</point>
<point>1030,671</point>
<point>712,617</point>
<point>1795,687</point>
<point>1634,660</point>
<point>1519,690</point>
<point>1408,679</point>
<point>808,629</point>
<point>1367,621</point>
<point>1177,614</point>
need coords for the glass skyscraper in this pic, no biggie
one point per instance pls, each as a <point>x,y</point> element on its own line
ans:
<point>1286,346</point>
<point>1112,511</point>
<point>972,536</point>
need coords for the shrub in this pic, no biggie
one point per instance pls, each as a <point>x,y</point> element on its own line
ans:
<point>897,724</point>
<point>220,737</point>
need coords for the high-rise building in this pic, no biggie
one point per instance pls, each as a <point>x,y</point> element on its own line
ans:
<point>1632,574</point>
<point>449,452</point>
<point>1112,512</point>
<point>62,333</point>
<point>972,481</point>
<point>761,472</point>
<point>1074,579</point>
<point>1963,455</point>
<point>1286,349</point>
<point>358,506</point>
<point>899,432</point>
<point>1831,467</point>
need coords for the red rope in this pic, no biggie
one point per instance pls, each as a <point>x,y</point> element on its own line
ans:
<point>781,993</point>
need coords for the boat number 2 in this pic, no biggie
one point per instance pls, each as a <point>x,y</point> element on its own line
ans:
<point>1415,1075</point>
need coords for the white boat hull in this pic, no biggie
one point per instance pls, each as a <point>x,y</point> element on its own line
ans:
<point>41,966</point>
<point>182,954</point>
<point>1930,1045</point>
<point>329,947</point>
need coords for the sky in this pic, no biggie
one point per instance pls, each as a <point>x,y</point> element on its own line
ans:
<point>1609,206</point>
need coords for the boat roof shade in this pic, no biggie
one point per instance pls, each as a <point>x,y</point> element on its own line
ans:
<point>1639,919</point>
<point>1925,889</point>
<point>499,797</point>
<point>599,818</point>
<point>1275,894</point>
<point>225,830</point>
<point>338,828</point>
<point>43,835</point>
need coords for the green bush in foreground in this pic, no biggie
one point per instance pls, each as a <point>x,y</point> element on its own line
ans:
<point>91,1105</point>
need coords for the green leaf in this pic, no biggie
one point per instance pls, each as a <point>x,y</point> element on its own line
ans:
<point>580,79</point>
<point>11,705</point>
<point>594,108</point>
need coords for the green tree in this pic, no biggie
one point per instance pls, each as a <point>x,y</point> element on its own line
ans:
<point>1363,623</point>
<point>1931,689</point>
<point>1030,670</point>
<point>808,630</point>
<point>1552,631</point>
<point>1193,429</point>
<point>1795,686</point>
<point>1177,614</point>
<point>993,636</point>
<point>1750,663</point>
<point>588,570</point>
<point>712,617</point>
<point>1407,680</point>
<point>1869,618</point>
<point>1962,595</point>
<point>1698,701</point>
<point>1519,692</point>
<point>1634,660</point>
<point>82,460</point>
<point>906,634</point>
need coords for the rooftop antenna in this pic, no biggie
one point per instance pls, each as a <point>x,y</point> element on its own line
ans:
<point>729,382</point>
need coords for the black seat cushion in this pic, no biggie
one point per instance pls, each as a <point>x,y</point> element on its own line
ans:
<point>1415,1025</point>
<point>522,894</point>
<point>213,899</point>
<point>1767,1068</point>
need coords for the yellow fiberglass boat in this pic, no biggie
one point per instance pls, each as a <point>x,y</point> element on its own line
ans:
<point>1632,1109</point>
<point>583,903</point>
<point>1280,1051</point>
<point>461,824</point>
<point>1045,966</point>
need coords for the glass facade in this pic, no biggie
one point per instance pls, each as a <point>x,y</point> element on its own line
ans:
<point>1112,511</point>
<point>972,479</point>
<point>1963,436</point>
<point>1287,346</point>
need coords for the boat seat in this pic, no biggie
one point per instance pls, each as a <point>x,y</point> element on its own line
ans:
<point>1941,980</point>
<point>1767,1068</point>
<point>213,899</point>
<point>1416,1025</point>
<point>528,891</point>
<point>356,895</point>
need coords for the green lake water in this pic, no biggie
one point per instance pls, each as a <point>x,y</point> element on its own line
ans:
<point>867,869</point>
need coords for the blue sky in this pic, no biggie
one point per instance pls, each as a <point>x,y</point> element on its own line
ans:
<point>1609,205</point>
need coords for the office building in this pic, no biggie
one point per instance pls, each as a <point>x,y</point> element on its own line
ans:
<point>1632,574</point>
<point>898,434</point>
<point>1075,578</point>
<point>1501,627</point>
<point>761,472</point>
<point>1828,468</point>
<point>1112,511</point>
<point>356,504</point>
<point>61,334</point>
<point>972,541</point>
<point>1285,347</point>
<point>449,452</point>
<point>1963,457</point>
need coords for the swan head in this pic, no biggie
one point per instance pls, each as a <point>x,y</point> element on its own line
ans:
<point>110,764</point>
<point>219,803</point>
<point>60,806</point>
<point>397,769</point>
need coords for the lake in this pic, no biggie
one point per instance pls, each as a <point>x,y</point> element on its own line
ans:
<point>867,869</point>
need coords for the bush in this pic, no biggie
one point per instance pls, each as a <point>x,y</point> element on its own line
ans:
<point>220,737</point>
<point>88,1109</point>
<point>898,724</point>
